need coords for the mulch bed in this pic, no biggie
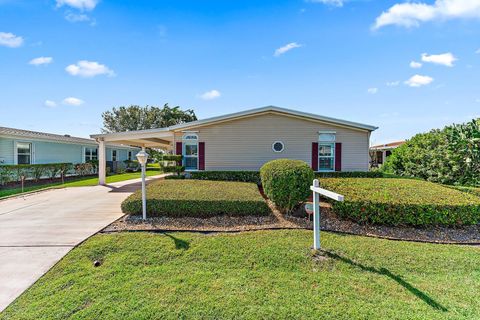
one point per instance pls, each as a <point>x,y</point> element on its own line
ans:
<point>329,222</point>
<point>434,234</point>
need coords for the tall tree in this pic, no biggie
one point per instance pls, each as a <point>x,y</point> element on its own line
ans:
<point>149,117</point>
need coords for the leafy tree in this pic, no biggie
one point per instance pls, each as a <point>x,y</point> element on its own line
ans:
<point>135,117</point>
<point>450,155</point>
<point>464,143</point>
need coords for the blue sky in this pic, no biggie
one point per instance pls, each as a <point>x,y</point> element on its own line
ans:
<point>64,62</point>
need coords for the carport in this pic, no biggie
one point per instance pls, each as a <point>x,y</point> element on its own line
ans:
<point>152,138</point>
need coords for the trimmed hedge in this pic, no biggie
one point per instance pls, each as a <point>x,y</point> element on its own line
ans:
<point>9,173</point>
<point>349,174</point>
<point>394,202</point>
<point>286,182</point>
<point>242,176</point>
<point>254,176</point>
<point>170,157</point>
<point>201,199</point>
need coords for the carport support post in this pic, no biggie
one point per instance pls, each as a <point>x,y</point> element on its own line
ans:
<point>144,192</point>
<point>102,162</point>
<point>316,217</point>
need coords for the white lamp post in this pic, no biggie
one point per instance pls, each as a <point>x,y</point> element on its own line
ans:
<point>142,158</point>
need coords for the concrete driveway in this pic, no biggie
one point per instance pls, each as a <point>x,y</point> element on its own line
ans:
<point>37,230</point>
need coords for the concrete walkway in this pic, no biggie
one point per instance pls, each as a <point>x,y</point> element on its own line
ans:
<point>37,230</point>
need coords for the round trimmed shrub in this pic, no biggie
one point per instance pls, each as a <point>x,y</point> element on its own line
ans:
<point>286,182</point>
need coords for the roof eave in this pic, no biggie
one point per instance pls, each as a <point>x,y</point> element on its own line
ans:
<point>252,112</point>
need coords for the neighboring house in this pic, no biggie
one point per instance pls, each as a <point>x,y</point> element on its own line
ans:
<point>30,147</point>
<point>380,153</point>
<point>246,140</point>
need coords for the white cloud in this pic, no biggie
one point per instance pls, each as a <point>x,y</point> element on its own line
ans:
<point>74,17</point>
<point>335,3</point>
<point>446,59</point>
<point>50,104</point>
<point>415,65</point>
<point>393,83</point>
<point>210,95</point>
<point>88,69</point>
<point>372,90</point>
<point>72,101</point>
<point>285,48</point>
<point>10,40</point>
<point>41,60</point>
<point>78,4</point>
<point>411,14</point>
<point>418,81</point>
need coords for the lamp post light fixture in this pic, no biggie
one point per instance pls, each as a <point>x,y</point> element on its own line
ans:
<point>142,158</point>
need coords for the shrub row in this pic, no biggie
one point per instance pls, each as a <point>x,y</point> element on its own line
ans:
<point>396,202</point>
<point>349,174</point>
<point>286,182</point>
<point>9,173</point>
<point>201,199</point>
<point>169,157</point>
<point>242,176</point>
<point>254,176</point>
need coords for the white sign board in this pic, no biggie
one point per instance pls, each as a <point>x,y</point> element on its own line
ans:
<point>317,191</point>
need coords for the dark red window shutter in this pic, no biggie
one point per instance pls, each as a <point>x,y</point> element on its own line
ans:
<point>315,156</point>
<point>178,151</point>
<point>201,156</point>
<point>338,156</point>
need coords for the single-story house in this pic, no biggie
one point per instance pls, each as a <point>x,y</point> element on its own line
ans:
<point>248,139</point>
<point>380,153</point>
<point>30,147</point>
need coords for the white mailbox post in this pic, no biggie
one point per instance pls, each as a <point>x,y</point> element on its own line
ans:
<point>317,191</point>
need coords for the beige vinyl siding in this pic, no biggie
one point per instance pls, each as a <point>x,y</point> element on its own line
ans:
<point>246,144</point>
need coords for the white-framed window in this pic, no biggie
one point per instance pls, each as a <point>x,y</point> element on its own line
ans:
<point>326,156</point>
<point>130,155</point>
<point>278,146</point>
<point>190,151</point>
<point>24,152</point>
<point>91,154</point>
<point>326,150</point>
<point>114,155</point>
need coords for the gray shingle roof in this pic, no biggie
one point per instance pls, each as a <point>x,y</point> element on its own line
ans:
<point>44,136</point>
<point>27,134</point>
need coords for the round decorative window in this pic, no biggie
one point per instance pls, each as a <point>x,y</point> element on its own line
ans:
<point>278,146</point>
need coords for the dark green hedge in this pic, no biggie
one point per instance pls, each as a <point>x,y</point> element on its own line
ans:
<point>254,176</point>
<point>36,172</point>
<point>201,199</point>
<point>349,174</point>
<point>286,182</point>
<point>396,202</point>
<point>242,176</point>
<point>170,157</point>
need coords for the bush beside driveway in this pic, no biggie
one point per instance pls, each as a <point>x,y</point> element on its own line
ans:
<point>196,198</point>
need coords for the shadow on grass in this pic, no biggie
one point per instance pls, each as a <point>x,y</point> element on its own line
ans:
<point>179,243</point>
<point>385,272</point>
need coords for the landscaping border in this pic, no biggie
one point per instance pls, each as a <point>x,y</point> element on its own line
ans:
<point>329,223</point>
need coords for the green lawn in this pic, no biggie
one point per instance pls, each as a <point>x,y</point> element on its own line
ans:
<point>198,198</point>
<point>80,182</point>
<point>255,275</point>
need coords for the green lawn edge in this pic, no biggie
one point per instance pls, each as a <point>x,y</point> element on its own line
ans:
<point>255,275</point>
